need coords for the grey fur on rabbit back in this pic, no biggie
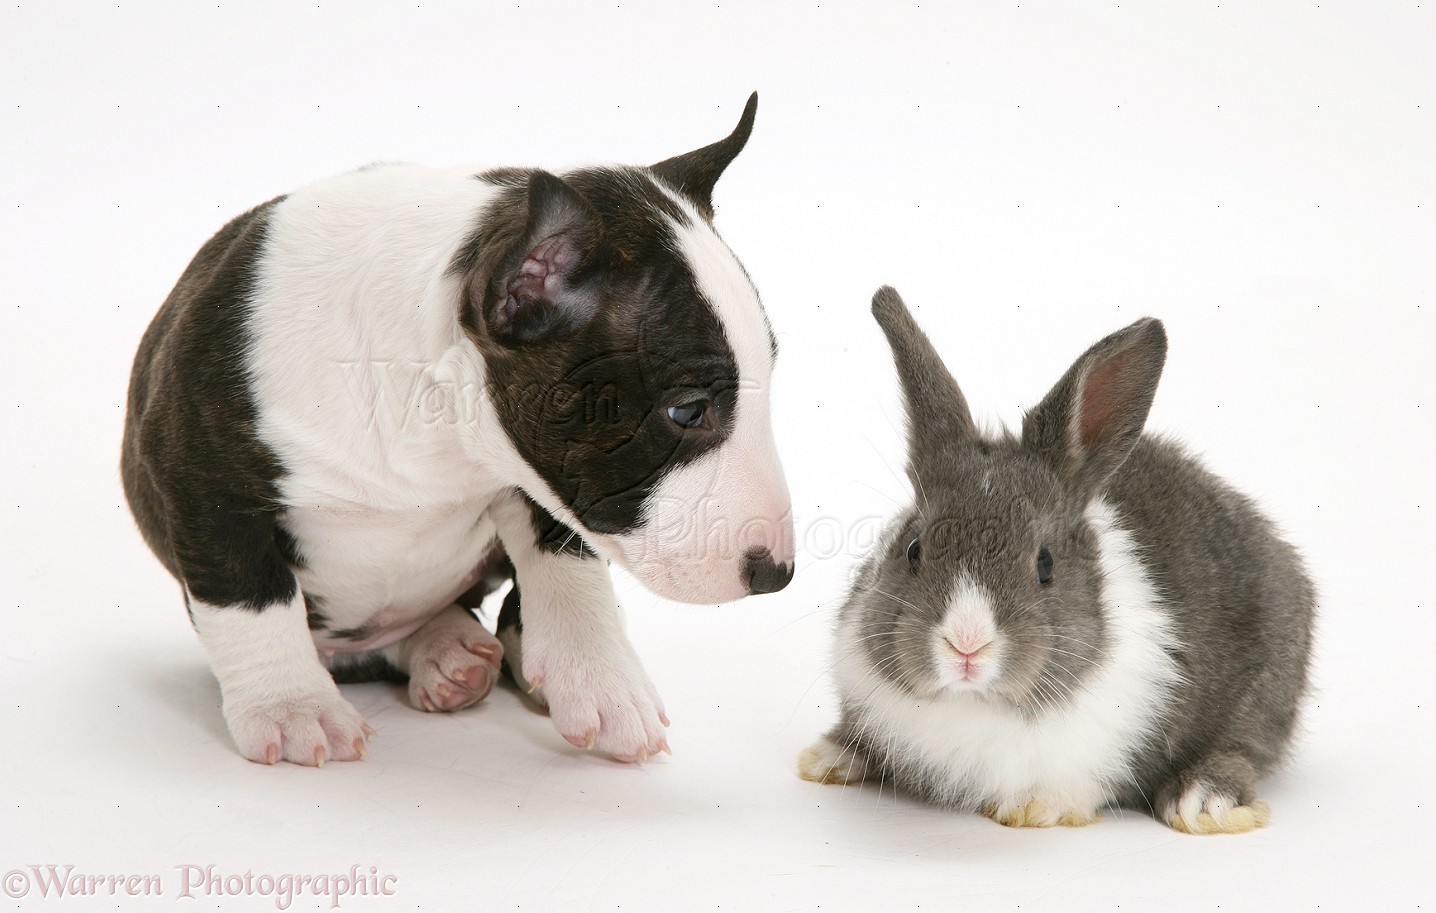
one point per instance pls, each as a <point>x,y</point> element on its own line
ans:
<point>1077,617</point>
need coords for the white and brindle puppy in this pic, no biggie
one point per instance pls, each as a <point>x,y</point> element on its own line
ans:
<point>370,402</point>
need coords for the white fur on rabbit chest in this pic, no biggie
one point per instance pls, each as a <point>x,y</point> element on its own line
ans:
<point>1076,756</point>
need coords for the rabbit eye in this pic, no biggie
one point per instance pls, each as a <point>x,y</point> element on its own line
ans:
<point>1044,566</point>
<point>914,553</point>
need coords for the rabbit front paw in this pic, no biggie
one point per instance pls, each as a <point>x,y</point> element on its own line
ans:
<point>827,762</point>
<point>1039,813</point>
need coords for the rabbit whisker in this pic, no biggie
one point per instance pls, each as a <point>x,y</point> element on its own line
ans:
<point>896,599</point>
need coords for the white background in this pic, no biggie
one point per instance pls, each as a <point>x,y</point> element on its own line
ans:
<point>1031,176</point>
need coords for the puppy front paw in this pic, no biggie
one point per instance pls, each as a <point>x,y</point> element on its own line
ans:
<point>307,729</point>
<point>601,702</point>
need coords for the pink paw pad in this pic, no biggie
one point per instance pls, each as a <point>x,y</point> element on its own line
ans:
<point>453,666</point>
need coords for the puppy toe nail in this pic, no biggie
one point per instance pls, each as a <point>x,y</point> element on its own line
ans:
<point>271,754</point>
<point>319,757</point>
<point>359,748</point>
<point>369,731</point>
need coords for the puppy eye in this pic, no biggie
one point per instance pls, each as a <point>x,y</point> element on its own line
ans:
<point>914,553</point>
<point>1044,566</point>
<point>688,415</point>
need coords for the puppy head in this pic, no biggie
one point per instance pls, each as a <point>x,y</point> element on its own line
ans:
<point>629,360</point>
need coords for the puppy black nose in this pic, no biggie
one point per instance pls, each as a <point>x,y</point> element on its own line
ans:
<point>762,575</point>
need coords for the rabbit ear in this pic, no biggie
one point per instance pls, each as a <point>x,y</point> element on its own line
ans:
<point>938,420</point>
<point>1089,422</point>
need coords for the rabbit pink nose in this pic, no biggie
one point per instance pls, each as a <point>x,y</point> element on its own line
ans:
<point>968,647</point>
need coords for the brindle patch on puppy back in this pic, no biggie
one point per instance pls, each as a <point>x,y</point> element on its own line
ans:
<point>202,485</point>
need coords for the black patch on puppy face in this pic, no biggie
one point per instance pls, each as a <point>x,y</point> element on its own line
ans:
<point>585,403</point>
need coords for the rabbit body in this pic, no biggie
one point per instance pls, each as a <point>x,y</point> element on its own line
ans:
<point>1079,617</point>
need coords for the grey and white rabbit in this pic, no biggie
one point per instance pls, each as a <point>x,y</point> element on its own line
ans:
<point>1078,617</point>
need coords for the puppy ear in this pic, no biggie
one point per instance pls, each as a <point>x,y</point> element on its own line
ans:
<point>695,173</point>
<point>938,420</point>
<point>540,292</point>
<point>1088,424</point>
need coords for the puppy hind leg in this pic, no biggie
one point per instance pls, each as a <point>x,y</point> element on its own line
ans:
<point>452,661</point>
<point>356,668</point>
